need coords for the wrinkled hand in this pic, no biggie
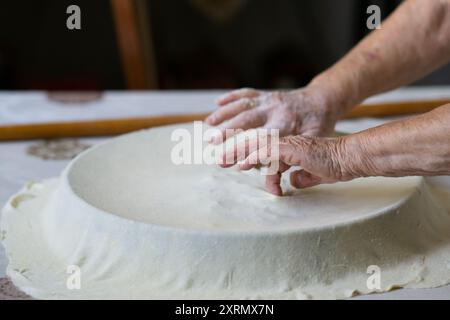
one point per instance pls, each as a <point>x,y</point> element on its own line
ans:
<point>321,160</point>
<point>302,111</point>
<point>417,146</point>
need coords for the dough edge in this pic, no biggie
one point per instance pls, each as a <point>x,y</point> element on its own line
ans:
<point>46,277</point>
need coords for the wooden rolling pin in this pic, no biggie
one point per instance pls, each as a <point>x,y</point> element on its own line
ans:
<point>123,125</point>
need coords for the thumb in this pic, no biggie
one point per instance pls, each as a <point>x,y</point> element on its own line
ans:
<point>304,179</point>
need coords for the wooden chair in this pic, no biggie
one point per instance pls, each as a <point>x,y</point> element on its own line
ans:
<point>134,39</point>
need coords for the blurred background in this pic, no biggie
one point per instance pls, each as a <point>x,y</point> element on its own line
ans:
<point>179,44</point>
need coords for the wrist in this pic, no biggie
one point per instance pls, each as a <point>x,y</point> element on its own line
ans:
<point>339,95</point>
<point>356,156</point>
<point>319,104</point>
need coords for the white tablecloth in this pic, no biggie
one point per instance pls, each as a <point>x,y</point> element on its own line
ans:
<point>17,167</point>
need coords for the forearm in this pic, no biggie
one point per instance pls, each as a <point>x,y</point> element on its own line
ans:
<point>416,146</point>
<point>413,41</point>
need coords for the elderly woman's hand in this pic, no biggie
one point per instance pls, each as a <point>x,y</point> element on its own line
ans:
<point>304,111</point>
<point>320,160</point>
<point>417,146</point>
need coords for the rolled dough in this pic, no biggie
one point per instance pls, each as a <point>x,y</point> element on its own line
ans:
<point>138,226</point>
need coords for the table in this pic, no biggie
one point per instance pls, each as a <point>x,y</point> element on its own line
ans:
<point>19,166</point>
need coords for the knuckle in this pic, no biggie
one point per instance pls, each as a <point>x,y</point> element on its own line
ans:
<point>246,101</point>
<point>248,90</point>
<point>247,116</point>
<point>275,96</point>
<point>298,142</point>
<point>336,167</point>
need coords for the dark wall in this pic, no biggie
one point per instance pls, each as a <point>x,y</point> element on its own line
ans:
<point>265,43</point>
<point>39,52</point>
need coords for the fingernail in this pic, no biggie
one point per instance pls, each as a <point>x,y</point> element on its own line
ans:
<point>213,140</point>
<point>210,119</point>
<point>218,138</point>
<point>276,191</point>
<point>295,181</point>
<point>219,100</point>
<point>245,166</point>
